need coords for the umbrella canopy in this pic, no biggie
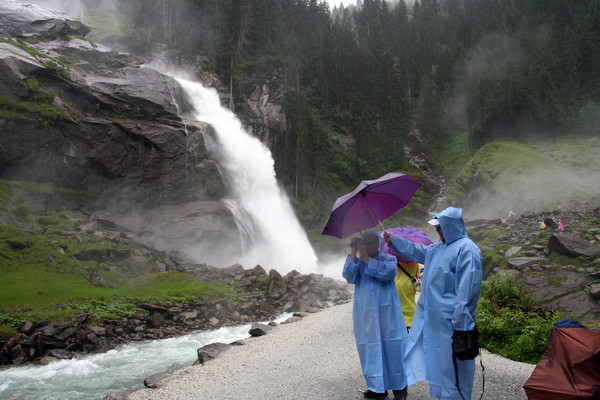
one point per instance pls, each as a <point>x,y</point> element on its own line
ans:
<point>413,235</point>
<point>569,368</point>
<point>370,203</point>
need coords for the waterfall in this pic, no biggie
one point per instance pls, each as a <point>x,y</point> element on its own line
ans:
<point>270,233</point>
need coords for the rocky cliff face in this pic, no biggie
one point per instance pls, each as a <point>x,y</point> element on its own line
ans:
<point>263,105</point>
<point>80,116</point>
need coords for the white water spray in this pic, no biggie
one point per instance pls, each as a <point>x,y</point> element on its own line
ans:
<point>93,376</point>
<point>276,239</point>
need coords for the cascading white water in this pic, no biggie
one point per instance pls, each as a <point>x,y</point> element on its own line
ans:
<point>278,240</point>
<point>93,376</point>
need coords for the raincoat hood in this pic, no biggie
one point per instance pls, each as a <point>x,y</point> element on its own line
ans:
<point>452,224</point>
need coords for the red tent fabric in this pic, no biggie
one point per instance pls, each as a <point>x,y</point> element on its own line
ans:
<point>569,368</point>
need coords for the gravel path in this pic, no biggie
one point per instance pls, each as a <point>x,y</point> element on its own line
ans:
<point>314,358</point>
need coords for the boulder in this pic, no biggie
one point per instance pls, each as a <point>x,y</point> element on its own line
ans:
<point>210,351</point>
<point>572,246</point>
<point>27,327</point>
<point>97,330</point>
<point>156,320</point>
<point>155,381</point>
<point>66,333</point>
<point>291,320</point>
<point>37,344</point>
<point>595,291</point>
<point>258,329</point>
<point>522,262</point>
<point>18,355</point>
<point>512,251</point>
<point>52,330</point>
<point>92,338</point>
<point>277,284</point>
<point>60,354</point>
<point>259,271</point>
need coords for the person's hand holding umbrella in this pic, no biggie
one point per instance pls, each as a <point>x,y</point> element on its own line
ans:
<point>386,237</point>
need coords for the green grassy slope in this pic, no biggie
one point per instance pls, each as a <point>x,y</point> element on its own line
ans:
<point>51,270</point>
<point>509,175</point>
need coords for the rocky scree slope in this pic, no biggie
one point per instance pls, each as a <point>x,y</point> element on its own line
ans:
<point>561,268</point>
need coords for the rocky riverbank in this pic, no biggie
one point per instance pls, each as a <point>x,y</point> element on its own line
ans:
<point>259,295</point>
<point>313,358</point>
<point>262,297</point>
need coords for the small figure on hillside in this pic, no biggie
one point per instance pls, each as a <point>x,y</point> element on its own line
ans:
<point>379,328</point>
<point>542,225</point>
<point>511,215</point>
<point>444,321</point>
<point>561,225</point>
<point>551,223</point>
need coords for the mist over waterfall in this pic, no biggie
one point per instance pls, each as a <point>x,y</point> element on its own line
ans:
<point>269,231</point>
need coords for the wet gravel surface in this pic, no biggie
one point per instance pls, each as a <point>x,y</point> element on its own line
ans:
<point>314,358</point>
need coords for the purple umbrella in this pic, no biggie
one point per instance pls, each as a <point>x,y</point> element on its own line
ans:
<point>413,235</point>
<point>370,203</point>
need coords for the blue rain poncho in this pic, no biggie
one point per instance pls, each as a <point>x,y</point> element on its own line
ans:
<point>450,289</point>
<point>379,328</point>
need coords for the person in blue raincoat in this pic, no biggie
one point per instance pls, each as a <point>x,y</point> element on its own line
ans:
<point>450,289</point>
<point>379,328</point>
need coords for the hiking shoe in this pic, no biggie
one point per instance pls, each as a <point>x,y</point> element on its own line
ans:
<point>401,394</point>
<point>369,394</point>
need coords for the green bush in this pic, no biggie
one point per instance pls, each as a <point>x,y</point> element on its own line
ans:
<point>108,308</point>
<point>8,331</point>
<point>12,109</point>
<point>511,322</point>
<point>31,84</point>
<point>491,260</point>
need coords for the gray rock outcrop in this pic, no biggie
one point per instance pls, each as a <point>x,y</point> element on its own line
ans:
<point>211,351</point>
<point>83,117</point>
<point>258,329</point>
<point>264,106</point>
<point>572,246</point>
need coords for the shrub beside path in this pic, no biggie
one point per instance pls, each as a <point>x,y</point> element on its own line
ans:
<point>314,358</point>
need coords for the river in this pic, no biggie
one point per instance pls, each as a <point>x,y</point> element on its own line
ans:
<point>93,376</point>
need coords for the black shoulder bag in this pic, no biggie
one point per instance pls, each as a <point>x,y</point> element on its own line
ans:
<point>465,346</point>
